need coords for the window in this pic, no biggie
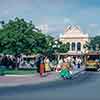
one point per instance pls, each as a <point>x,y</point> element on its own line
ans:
<point>73,46</point>
<point>78,46</point>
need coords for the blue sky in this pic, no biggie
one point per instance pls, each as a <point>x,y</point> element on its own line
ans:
<point>56,14</point>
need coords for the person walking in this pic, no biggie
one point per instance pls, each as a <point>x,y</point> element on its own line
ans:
<point>78,62</point>
<point>38,64</point>
<point>42,67</point>
<point>60,62</point>
<point>46,64</point>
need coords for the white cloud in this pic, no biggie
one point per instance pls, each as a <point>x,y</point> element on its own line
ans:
<point>43,28</point>
<point>93,25</point>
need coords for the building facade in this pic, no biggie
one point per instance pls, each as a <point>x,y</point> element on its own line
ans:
<point>75,37</point>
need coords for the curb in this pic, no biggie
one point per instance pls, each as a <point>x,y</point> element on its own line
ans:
<point>79,72</point>
<point>20,75</point>
<point>24,74</point>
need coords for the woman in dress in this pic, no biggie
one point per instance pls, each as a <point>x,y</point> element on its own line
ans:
<point>42,67</point>
<point>46,64</point>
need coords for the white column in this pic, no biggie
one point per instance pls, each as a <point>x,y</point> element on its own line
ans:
<point>75,46</point>
<point>70,47</point>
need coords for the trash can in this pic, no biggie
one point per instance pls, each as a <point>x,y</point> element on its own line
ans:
<point>2,70</point>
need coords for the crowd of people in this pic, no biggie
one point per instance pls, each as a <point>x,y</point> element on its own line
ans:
<point>43,64</point>
<point>20,62</point>
<point>65,66</point>
<point>9,61</point>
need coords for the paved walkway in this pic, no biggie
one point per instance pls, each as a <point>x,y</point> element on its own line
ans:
<point>16,80</point>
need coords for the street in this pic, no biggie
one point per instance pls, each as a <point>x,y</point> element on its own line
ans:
<point>85,86</point>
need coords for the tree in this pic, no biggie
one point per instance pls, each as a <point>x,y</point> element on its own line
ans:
<point>94,43</point>
<point>87,45</point>
<point>18,36</point>
<point>61,47</point>
<point>49,44</point>
<point>64,47</point>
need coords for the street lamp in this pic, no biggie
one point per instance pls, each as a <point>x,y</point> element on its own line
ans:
<point>56,46</point>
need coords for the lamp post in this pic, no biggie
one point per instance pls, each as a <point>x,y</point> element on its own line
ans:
<point>56,46</point>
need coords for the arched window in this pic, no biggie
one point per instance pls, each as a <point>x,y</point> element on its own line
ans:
<point>73,46</point>
<point>78,46</point>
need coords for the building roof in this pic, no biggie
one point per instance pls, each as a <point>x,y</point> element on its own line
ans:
<point>73,31</point>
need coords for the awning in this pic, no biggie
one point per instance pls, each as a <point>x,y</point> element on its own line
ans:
<point>75,53</point>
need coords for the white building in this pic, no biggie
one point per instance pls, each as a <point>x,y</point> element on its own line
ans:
<point>75,37</point>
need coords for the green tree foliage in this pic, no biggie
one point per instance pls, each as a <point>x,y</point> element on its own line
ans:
<point>87,45</point>
<point>63,47</point>
<point>49,44</point>
<point>94,43</point>
<point>18,36</point>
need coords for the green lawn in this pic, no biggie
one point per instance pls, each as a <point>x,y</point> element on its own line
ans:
<point>19,72</point>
